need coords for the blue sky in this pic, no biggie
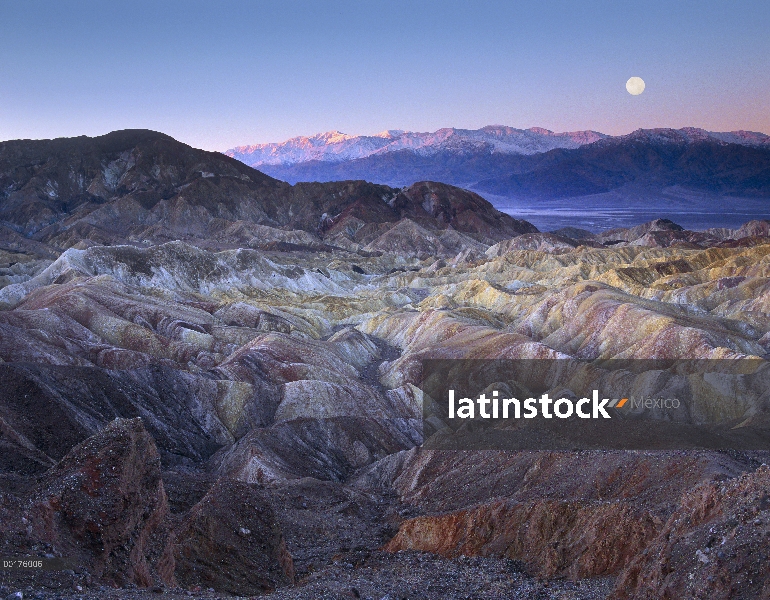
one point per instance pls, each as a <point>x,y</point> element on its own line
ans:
<point>225,73</point>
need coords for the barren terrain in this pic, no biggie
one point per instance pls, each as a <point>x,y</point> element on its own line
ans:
<point>211,382</point>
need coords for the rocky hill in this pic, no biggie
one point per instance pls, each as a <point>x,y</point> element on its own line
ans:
<point>143,187</point>
<point>244,414</point>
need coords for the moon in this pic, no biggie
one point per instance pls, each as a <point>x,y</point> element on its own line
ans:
<point>635,86</point>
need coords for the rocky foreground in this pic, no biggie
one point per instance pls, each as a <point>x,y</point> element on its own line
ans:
<point>237,412</point>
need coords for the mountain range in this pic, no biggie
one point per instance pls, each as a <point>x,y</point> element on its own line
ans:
<point>531,163</point>
<point>334,146</point>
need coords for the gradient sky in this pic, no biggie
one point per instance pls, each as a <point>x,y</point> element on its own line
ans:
<point>225,73</point>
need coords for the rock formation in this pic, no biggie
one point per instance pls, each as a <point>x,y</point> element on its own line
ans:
<point>104,504</point>
<point>231,541</point>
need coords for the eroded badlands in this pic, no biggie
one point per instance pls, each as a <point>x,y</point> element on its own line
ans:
<point>239,408</point>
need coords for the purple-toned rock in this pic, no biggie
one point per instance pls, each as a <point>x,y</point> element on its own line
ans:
<point>231,541</point>
<point>103,505</point>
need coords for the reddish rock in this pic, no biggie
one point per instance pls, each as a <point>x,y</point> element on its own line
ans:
<point>573,539</point>
<point>463,210</point>
<point>440,481</point>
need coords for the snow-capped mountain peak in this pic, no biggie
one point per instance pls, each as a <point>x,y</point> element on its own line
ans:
<point>337,147</point>
<point>390,134</point>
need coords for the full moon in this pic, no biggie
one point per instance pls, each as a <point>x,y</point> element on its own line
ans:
<point>635,86</point>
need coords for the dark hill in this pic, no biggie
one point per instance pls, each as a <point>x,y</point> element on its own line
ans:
<point>45,181</point>
<point>728,169</point>
<point>145,187</point>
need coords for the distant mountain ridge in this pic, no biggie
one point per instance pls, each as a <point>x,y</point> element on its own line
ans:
<point>334,146</point>
<point>690,135</point>
<point>722,164</point>
<point>531,163</point>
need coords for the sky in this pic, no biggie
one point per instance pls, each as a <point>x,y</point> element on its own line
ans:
<point>223,73</point>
